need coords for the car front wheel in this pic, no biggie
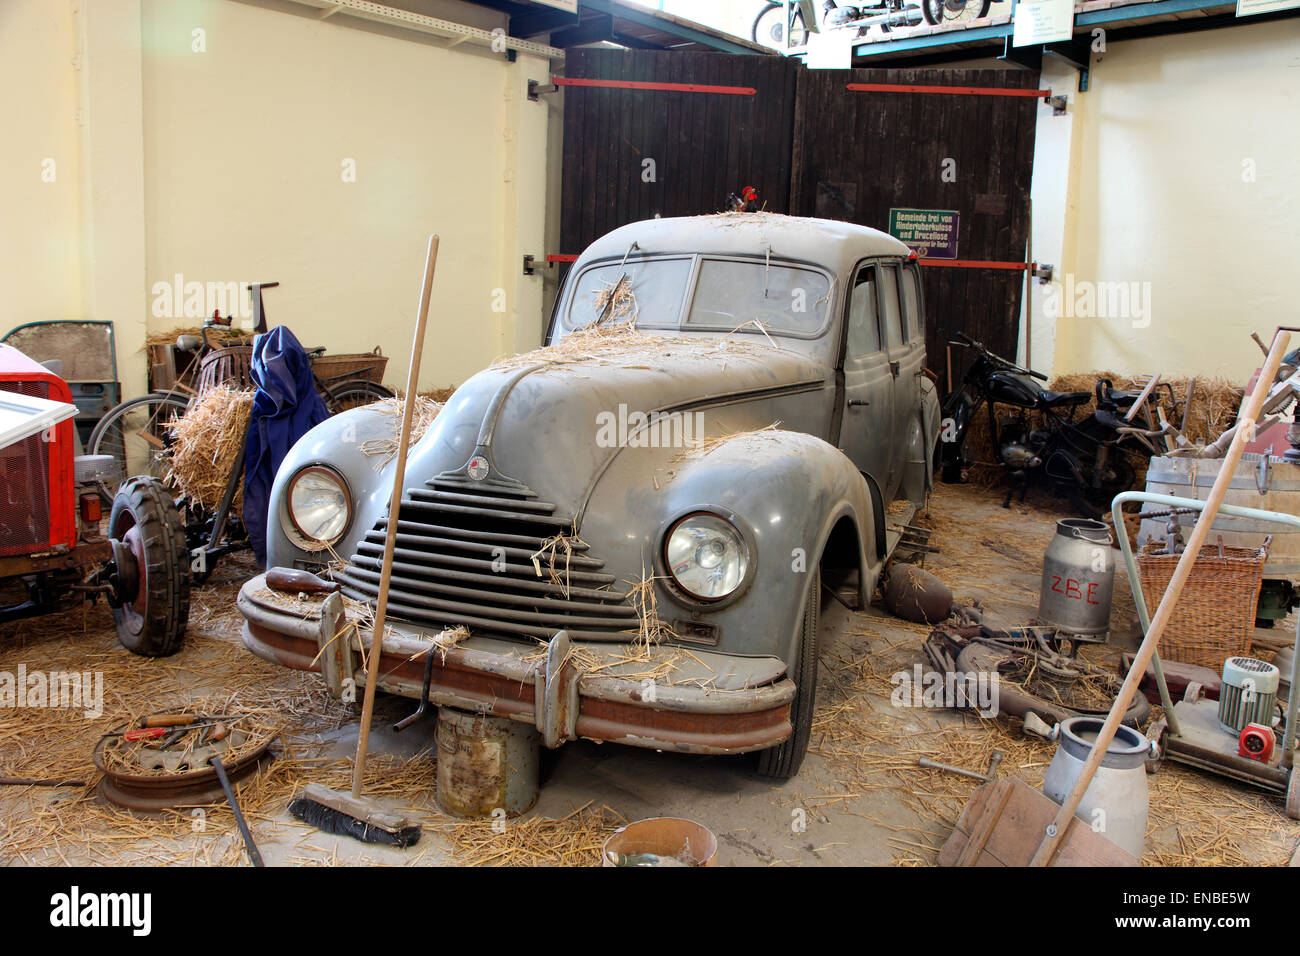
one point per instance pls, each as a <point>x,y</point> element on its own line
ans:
<point>784,760</point>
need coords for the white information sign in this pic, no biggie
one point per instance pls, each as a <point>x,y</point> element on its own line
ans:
<point>1043,21</point>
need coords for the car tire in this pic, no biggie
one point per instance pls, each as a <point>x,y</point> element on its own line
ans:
<point>151,619</point>
<point>784,760</point>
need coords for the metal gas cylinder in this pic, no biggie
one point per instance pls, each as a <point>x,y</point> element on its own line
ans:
<point>1078,580</point>
<point>1116,801</point>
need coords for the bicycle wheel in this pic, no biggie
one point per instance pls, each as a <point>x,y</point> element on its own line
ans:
<point>954,11</point>
<point>136,434</point>
<point>769,27</point>
<point>353,393</point>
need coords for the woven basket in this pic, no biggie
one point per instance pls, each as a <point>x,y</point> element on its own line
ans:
<point>333,369</point>
<point>229,365</point>
<point>1214,618</point>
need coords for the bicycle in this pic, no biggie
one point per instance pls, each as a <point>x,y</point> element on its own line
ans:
<point>136,433</point>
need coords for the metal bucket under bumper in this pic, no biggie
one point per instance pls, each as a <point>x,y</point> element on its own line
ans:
<point>743,706</point>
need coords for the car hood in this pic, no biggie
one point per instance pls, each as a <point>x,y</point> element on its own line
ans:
<point>555,418</point>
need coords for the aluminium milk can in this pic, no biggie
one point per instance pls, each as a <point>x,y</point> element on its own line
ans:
<point>1116,801</point>
<point>1078,580</point>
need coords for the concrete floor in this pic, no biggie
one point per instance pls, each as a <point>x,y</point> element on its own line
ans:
<point>859,797</point>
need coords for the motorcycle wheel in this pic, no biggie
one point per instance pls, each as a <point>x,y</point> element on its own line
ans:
<point>937,12</point>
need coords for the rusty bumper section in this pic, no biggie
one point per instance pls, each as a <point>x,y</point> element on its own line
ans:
<point>696,702</point>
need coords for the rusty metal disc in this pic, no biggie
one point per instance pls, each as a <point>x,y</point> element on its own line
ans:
<point>180,778</point>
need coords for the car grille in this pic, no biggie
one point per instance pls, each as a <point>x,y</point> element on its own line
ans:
<point>448,538</point>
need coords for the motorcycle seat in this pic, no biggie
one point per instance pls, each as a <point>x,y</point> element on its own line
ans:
<point>1063,399</point>
<point>1123,399</point>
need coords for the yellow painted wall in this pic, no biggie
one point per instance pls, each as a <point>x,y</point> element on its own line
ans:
<point>217,140</point>
<point>1165,143</point>
<point>40,245</point>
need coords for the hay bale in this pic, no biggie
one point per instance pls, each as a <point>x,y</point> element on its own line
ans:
<point>207,442</point>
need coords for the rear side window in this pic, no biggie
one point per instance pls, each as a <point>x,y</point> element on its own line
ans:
<point>891,317</point>
<point>912,303</point>
<point>864,327</point>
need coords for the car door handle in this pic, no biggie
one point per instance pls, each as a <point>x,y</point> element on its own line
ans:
<point>893,368</point>
<point>862,402</point>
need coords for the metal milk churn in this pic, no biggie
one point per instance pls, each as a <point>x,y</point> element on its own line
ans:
<point>1078,580</point>
<point>1116,801</point>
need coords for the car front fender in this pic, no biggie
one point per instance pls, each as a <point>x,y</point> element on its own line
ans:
<point>785,491</point>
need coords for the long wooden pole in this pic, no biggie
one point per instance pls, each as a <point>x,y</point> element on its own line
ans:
<point>1250,411</point>
<point>390,542</point>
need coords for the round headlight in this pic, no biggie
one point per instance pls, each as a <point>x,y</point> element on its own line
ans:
<point>706,556</point>
<point>319,507</point>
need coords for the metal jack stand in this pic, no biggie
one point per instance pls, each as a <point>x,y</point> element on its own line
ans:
<point>1192,734</point>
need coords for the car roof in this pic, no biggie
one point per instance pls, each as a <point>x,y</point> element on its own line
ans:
<point>830,243</point>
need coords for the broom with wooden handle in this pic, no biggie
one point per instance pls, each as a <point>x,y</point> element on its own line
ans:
<point>351,814</point>
<point>1250,411</point>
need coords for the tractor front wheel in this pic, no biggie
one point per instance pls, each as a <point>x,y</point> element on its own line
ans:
<point>153,574</point>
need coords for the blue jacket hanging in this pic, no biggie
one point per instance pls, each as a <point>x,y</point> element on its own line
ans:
<point>285,408</point>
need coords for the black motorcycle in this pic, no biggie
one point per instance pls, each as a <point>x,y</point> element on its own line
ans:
<point>1038,437</point>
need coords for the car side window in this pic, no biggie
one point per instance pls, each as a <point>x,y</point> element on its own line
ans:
<point>864,328</point>
<point>912,303</point>
<point>891,317</point>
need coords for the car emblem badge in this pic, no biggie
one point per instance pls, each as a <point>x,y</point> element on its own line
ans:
<point>478,468</point>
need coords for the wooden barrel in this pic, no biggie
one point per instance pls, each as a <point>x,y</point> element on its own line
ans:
<point>1269,484</point>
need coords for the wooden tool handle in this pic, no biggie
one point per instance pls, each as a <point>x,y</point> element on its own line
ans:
<point>1246,420</point>
<point>168,720</point>
<point>390,540</point>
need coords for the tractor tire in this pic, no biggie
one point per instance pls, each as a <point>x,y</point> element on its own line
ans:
<point>155,587</point>
<point>784,760</point>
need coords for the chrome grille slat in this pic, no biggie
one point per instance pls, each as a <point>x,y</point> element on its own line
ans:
<point>573,561</point>
<point>533,584</point>
<point>525,569</point>
<point>532,542</point>
<point>506,504</point>
<point>448,540</point>
<point>399,609</point>
<point>477,594</point>
<point>494,513</point>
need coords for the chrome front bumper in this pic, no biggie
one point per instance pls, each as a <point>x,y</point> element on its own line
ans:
<point>666,698</point>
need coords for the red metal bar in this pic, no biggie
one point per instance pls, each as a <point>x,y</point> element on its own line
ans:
<point>954,90</point>
<point>975,264</point>
<point>668,87</point>
<point>560,257</point>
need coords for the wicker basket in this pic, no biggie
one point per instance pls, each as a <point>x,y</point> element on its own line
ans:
<point>333,369</point>
<point>1214,618</point>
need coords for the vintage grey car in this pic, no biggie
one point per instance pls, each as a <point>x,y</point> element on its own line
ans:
<point>626,535</point>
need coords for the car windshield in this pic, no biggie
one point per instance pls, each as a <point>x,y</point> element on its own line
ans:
<point>731,293</point>
<point>750,295</point>
<point>648,292</point>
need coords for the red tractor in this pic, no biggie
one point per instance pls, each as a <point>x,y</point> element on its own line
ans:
<point>54,554</point>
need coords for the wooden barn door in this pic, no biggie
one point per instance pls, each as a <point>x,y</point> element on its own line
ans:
<point>857,155</point>
<point>632,154</point>
<point>812,147</point>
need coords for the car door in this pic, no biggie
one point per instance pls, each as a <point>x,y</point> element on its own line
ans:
<point>905,349</point>
<point>867,421</point>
